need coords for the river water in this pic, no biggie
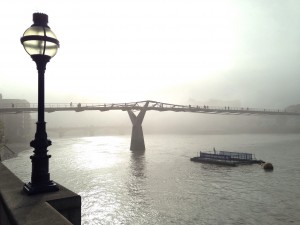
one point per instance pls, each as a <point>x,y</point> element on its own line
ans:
<point>162,186</point>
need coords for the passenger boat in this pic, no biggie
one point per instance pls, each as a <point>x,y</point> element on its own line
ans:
<point>226,158</point>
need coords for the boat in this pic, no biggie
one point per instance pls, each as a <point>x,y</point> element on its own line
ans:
<point>226,158</point>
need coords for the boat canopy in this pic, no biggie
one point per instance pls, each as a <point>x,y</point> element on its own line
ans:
<point>238,155</point>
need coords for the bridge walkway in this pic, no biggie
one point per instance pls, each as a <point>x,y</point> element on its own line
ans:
<point>138,106</point>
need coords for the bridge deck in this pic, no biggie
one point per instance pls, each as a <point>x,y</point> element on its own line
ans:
<point>137,106</point>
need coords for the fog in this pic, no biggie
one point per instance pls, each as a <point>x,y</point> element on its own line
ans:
<point>213,52</point>
<point>118,122</point>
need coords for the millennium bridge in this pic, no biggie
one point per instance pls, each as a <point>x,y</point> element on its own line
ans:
<point>64,207</point>
<point>137,137</point>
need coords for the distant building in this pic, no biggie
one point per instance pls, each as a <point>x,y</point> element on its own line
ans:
<point>293,108</point>
<point>16,127</point>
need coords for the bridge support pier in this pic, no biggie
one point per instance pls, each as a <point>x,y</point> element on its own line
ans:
<point>137,135</point>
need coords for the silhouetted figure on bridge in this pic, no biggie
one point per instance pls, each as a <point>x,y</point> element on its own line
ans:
<point>71,104</point>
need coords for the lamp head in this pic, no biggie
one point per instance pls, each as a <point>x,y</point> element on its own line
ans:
<point>39,39</point>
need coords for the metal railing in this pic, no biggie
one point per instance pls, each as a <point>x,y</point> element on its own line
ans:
<point>152,105</point>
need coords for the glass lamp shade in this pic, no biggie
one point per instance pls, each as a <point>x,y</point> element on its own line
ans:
<point>40,40</point>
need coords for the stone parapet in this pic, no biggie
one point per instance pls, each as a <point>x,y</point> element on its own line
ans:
<point>17,208</point>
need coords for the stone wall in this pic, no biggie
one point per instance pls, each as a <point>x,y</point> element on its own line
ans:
<point>17,208</point>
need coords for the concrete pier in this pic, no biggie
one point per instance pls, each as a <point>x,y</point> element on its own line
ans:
<point>17,208</point>
<point>137,135</point>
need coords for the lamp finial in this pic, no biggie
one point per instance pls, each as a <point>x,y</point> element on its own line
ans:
<point>40,19</point>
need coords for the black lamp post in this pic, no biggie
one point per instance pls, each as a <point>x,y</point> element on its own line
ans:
<point>41,44</point>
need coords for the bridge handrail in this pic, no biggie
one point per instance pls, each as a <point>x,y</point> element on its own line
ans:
<point>141,104</point>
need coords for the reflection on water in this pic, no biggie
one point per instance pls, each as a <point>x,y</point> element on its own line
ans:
<point>137,188</point>
<point>162,185</point>
<point>137,164</point>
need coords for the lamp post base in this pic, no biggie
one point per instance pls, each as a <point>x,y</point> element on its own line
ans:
<point>31,189</point>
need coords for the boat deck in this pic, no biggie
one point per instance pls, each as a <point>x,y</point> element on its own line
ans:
<point>227,158</point>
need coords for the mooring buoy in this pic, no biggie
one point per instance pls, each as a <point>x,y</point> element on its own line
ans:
<point>267,166</point>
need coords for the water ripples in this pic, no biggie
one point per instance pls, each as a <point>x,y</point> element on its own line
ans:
<point>162,186</point>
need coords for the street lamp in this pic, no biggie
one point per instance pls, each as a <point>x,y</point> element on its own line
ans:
<point>41,44</point>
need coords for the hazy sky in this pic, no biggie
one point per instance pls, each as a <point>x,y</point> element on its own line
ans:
<point>175,51</point>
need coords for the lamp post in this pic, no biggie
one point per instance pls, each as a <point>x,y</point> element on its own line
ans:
<point>41,44</point>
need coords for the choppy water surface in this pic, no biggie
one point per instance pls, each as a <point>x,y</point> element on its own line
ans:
<point>162,186</point>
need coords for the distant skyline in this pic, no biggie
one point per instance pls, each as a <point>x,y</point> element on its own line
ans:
<point>245,51</point>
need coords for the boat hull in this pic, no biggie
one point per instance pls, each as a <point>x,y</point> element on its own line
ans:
<point>214,161</point>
